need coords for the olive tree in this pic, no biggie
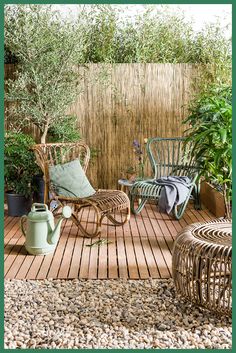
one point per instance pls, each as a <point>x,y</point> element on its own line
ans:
<point>46,80</point>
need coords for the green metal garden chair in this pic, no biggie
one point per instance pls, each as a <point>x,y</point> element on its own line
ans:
<point>168,157</point>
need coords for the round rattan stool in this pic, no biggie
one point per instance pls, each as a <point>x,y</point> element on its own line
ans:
<point>202,264</point>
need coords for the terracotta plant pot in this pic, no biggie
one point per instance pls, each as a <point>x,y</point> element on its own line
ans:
<point>131,177</point>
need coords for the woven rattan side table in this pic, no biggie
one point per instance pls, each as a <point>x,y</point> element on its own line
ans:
<point>202,265</point>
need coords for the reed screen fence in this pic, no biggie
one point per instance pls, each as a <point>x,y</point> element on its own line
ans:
<point>119,103</point>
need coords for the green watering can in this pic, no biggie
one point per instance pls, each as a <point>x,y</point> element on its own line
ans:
<point>41,235</point>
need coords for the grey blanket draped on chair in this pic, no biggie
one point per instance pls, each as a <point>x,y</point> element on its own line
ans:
<point>174,191</point>
<point>175,175</point>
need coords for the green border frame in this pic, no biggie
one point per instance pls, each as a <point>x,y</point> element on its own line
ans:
<point>129,2</point>
<point>2,174</point>
<point>232,2</point>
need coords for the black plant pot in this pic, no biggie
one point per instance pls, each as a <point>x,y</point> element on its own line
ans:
<point>38,186</point>
<point>18,205</point>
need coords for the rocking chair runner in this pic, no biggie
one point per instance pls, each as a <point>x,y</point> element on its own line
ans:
<point>168,157</point>
<point>103,202</point>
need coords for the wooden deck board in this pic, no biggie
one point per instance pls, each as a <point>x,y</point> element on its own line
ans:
<point>76,255</point>
<point>57,258</point>
<point>158,243</point>
<point>121,255</point>
<point>130,254</point>
<point>138,250</point>
<point>34,267</point>
<point>66,259</point>
<point>112,256</point>
<point>146,239</point>
<point>84,267</point>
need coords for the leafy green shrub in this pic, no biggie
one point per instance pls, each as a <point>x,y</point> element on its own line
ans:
<point>105,35</point>
<point>158,36</point>
<point>19,162</point>
<point>211,133</point>
<point>66,131</point>
<point>99,30</point>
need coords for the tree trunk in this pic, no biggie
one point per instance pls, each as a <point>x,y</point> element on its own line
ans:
<point>228,209</point>
<point>44,135</point>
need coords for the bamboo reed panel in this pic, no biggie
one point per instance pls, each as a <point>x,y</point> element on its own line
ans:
<point>122,102</point>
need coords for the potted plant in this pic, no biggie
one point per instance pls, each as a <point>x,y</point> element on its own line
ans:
<point>211,134</point>
<point>46,82</point>
<point>19,167</point>
<point>128,173</point>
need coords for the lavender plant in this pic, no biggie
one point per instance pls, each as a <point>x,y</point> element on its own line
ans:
<point>140,157</point>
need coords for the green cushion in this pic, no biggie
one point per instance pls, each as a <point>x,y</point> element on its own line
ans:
<point>69,180</point>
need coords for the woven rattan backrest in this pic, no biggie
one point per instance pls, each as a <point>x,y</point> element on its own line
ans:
<point>171,156</point>
<point>59,153</point>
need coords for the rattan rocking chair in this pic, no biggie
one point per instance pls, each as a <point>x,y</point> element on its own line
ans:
<point>103,202</point>
<point>168,157</point>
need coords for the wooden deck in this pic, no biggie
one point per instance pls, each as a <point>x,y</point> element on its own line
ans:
<point>139,250</point>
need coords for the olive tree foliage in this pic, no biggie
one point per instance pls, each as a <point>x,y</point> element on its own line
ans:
<point>46,82</point>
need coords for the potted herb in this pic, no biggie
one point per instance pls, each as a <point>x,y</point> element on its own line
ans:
<point>19,167</point>
<point>211,134</point>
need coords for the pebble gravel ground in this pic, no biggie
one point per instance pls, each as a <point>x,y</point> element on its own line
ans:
<point>107,314</point>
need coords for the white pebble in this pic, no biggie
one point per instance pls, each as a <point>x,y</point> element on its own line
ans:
<point>101,314</point>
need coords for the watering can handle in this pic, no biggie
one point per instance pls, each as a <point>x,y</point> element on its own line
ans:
<point>22,221</point>
<point>41,206</point>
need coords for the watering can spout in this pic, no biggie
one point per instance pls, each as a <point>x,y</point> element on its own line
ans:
<point>53,234</point>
